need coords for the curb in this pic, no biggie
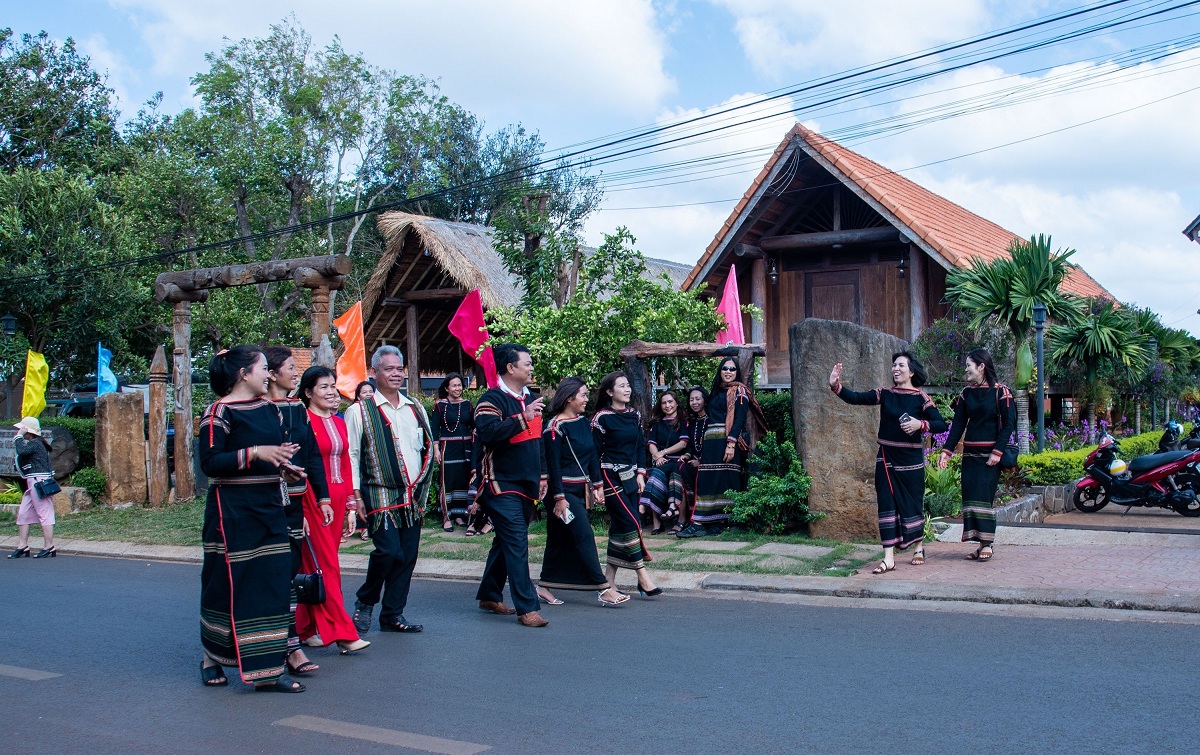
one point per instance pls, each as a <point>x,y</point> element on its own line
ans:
<point>677,581</point>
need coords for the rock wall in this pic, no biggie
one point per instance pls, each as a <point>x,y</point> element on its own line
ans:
<point>836,440</point>
<point>121,446</point>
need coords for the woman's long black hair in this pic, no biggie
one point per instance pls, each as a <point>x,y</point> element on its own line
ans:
<point>226,367</point>
<point>718,384</point>
<point>565,391</point>
<point>984,357</point>
<point>603,400</point>
<point>657,415</point>
<point>310,378</point>
<point>444,388</point>
<point>690,391</point>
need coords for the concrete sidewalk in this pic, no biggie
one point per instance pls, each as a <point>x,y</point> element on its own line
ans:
<point>1032,566</point>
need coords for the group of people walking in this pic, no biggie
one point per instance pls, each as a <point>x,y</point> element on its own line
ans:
<point>284,468</point>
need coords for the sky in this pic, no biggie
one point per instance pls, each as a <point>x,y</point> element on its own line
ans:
<point>1110,167</point>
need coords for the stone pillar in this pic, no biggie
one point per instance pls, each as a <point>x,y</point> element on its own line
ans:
<point>836,440</point>
<point>185,479</point>
<point>121,446</point>
<point>160,476</point>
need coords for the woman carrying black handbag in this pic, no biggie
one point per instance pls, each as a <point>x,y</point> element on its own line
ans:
<point>985,419</point>
<point>37,506</point>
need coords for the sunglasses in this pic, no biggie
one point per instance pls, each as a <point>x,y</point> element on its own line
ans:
<point>729,369</point>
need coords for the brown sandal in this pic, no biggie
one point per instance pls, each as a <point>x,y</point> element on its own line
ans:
<point>883,567</point>
<point>985,556</point>
<point>918,558</point>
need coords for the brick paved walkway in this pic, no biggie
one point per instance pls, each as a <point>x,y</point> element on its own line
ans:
<point>1123,567</point>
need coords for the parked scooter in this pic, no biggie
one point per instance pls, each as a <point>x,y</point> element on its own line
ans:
<point>1158,480</point>
<point>1171,437</point>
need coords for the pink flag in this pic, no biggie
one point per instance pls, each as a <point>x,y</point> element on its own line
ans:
<point>469,328</point>
<point>731,307</point>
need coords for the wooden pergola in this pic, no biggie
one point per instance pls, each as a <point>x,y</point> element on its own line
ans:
<point>182,287</point>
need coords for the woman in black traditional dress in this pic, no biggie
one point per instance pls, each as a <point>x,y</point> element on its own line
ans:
<point>906,413</point>
<point>984,413</point>
<point>574,482</point>
<point>723,456</point>
<point>697,423</point>
<point>453,424</point>
<point>664,493</point>
<point>246,580</point>
<point>621,445</point>
<point>307,469</point>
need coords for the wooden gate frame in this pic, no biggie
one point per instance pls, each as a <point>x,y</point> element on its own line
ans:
<point>641,381</point>
<point>182,287</point>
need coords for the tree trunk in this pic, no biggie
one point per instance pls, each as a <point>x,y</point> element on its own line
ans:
<point>1091,420</point>
<point>1137,418</point>
<point>1022,399</point>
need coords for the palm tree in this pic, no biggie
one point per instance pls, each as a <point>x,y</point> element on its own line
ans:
<point>1109,338</point>
<point>1004,291</point>
<point>1177,350</point>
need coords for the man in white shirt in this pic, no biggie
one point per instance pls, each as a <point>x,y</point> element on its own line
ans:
<point>389,444</point>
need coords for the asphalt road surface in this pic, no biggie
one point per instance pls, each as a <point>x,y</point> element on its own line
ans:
<point>674,674</point>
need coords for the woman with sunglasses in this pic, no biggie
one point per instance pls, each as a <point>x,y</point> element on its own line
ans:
<point>723,452</point>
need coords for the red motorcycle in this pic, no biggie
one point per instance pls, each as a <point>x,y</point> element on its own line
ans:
<point>1160,480</point>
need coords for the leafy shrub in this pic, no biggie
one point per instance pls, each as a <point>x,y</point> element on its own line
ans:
<point>9,496</point>
<point>775,500</point>
<point>943,487</point>
<point>83,430</point>
<point>90,479</point>
<point>777,408</point>
<point>1061,467</point>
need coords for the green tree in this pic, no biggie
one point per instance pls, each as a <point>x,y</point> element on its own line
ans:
<point>614,304</point>
<point>1098,346</point>
<point>1003,292</point>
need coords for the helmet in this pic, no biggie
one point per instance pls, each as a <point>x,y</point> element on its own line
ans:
<point>1118,467</point>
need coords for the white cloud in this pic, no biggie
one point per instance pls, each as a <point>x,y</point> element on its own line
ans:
<point>122,78</point>
<point>523,56</point>
<point>781,37</point>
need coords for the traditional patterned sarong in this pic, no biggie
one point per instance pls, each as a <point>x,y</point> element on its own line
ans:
<point>625,547</point>
<point>979,483</point>
<point>716,476</point>
<point>900,489</point>
<point>453,424</point>
<point>665,490</point>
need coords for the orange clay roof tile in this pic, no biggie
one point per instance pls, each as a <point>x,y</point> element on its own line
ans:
<point>954,232</point>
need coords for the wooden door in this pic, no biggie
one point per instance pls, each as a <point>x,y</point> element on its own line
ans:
<point>832,295</point>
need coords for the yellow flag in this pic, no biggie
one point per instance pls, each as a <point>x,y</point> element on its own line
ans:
<point>37,375</point>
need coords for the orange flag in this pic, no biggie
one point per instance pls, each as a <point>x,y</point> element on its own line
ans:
<point>352,364</point>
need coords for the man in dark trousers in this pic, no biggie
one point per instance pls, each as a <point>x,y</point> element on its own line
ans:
<point>508,422</point>
<point>389,443</point>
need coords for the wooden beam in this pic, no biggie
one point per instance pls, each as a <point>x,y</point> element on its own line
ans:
<point>435,294</point>
<point>306,277</point>
<point>748,251</point>
<point>916,292</point>
<point>227,276</point>
<point>403,302</point>
<point>829,238</point>
<point>644,350</point>
<point>172,294</point>
<point>413,354</point>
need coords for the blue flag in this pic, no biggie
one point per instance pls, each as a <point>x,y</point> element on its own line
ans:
<point>106,381</point>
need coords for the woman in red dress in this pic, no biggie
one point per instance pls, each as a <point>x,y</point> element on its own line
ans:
<point>327,623</point>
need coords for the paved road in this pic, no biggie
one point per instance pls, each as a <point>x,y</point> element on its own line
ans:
<point>677,674</point>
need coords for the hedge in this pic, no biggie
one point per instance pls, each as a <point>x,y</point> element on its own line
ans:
<point>83,430</point>
<point>777,408</point>
<point>1061,467</point>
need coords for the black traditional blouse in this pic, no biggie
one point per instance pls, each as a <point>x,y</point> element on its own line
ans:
<point>571,458</point>
<point>666,433</point>
<point>894,403</point>
<point>619,438</point>
<point>986,415</point>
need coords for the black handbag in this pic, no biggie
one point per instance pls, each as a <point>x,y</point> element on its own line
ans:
<point>1008,458</point>
<point>47,488</point>
<point>310,588</point>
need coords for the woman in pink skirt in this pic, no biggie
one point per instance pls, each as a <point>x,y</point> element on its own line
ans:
<point>33,462</point>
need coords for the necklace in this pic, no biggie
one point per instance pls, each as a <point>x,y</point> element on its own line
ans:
<point>698,428</point>
<point>457,416</point>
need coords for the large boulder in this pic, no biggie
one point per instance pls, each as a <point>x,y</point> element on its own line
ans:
<point>121,446</point>
<point>836,440</point>
<point>71,501</point>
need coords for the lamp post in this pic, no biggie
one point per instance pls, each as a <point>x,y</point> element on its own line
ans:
<point>9,325</point>
<point>1039,325</point>
<point>1153,393</point>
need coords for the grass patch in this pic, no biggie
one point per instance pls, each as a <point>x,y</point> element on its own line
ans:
<point>170,525</point>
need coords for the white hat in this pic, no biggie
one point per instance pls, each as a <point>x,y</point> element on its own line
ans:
<point>30,425</point>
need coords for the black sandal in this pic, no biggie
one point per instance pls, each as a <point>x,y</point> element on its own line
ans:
<point>304,668</point>
<point>282,684</point>
<point>213,676</point>
<point>981,556</point>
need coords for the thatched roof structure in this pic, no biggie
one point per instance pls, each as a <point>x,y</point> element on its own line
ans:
<point>427,266</point>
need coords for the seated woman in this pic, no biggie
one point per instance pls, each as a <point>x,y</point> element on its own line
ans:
<point>664,493</point>
<point>693,431</point>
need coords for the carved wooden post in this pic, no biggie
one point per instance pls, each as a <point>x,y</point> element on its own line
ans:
<point>320,315</point>
<point>412,355</point>
<point>639,381</point>
<point>160,482</point>
<point>758,297</point>
<point>185,479</point>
